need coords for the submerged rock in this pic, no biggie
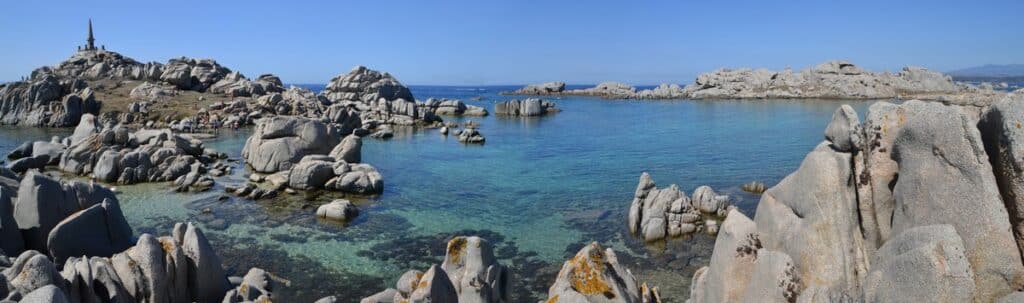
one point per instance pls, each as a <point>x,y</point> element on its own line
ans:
<point>341,210</point>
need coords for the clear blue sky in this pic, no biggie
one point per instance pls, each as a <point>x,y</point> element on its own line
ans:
<point>515,42</point>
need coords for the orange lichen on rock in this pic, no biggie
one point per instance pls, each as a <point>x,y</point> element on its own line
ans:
<point>553,299</point>
<point>455,248</point>
<point>587,276</point>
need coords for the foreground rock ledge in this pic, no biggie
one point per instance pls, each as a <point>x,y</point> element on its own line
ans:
<point>904,206</point>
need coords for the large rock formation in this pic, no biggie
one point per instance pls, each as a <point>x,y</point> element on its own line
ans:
<point>379,98</point>
<point>834,80</point>
<point>549,88</point>
<point>1002,130</point>
<point>607,90</point>
<point>178,268</point>
<point>595,275</point>
<point>278,143</point>
<point>656,214</point>
<point>43,203</point>
<point>526,108</point>
<point>912,212</point>
<point>469,273</point>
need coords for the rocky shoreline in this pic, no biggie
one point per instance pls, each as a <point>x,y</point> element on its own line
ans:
<point>877,213</point>
<point>830,80</point>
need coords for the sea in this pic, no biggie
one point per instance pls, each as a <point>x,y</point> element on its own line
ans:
<point>538,190</point>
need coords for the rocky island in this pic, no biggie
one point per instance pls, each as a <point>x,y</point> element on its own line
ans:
<point>829,80</point>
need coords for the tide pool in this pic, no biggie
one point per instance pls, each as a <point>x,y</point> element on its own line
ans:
<point>539,189</point>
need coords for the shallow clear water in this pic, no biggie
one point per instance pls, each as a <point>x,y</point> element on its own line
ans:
<point>540,188</point>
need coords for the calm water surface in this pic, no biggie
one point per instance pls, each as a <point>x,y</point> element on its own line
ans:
<point>539,189</point>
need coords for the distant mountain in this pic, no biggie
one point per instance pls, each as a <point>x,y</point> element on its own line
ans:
<point>990,71</point>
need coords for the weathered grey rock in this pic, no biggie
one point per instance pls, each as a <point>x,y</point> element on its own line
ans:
<point>340,209</point>
<point>277,143</point>
<point>475,273</point>
<point>926,264</point>
<point>207,280</point>
<point>366,85</point>
<point>23,150</point>
<point>11,242</point>
<point>548,88</point>
<point>32,271</point>
<point>528,107</point>
<point>775,278</point>
<point>349,150</point>
<point>310,174</point>
<point>844,130</point>
<point>106,168</point>
<point>942,163</point>
<point>471,136</point>
<point>812,213</point>
<point>43,202</point>
<point>727,276</point>
<point>32,162</point>
<point>100,230</point>
<point>356,178</point>
<point>149,91</point>
<point>1002,130</point>
<point>408,282</point>
<point>45,294</point>
<point>434,286</point>
<point>594,275</point>
<point>385,296</point>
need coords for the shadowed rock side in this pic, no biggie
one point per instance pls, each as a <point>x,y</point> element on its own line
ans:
<point>902,207</point>
<point>829,80</point>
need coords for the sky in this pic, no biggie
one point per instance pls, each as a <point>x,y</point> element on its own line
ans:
<point>518,42</point>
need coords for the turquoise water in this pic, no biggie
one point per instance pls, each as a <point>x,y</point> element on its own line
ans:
<point>540,188</point>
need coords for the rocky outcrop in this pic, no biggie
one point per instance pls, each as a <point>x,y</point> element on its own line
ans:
<point>453,107</point>
<point>833,80</point>
<point>181,267</point>
<point>42,204</point>
<point>119,155</point>
<point>338,210</point>
<point>607,90</point>
<point>543,89</point>
<point>471,135</point>
<point>469,273</point>
<point>527,108</point>
<point>46,101</point>
<point>656,214</point>
<point>883,220</point>
<point>595,275</point>
<point>278,143</point>
<point>379,98</point>
<point>100,230</point>
<point>1002,130</point>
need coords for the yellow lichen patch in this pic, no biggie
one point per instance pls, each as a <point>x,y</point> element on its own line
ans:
<point>587,276</point>
<point>553,299</point>
<point>243,289</point>
<point>415,285</point>
<point>1018,125</point>
<point>167,244</point>
<point>263,299</point>
<point>455,248</point>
